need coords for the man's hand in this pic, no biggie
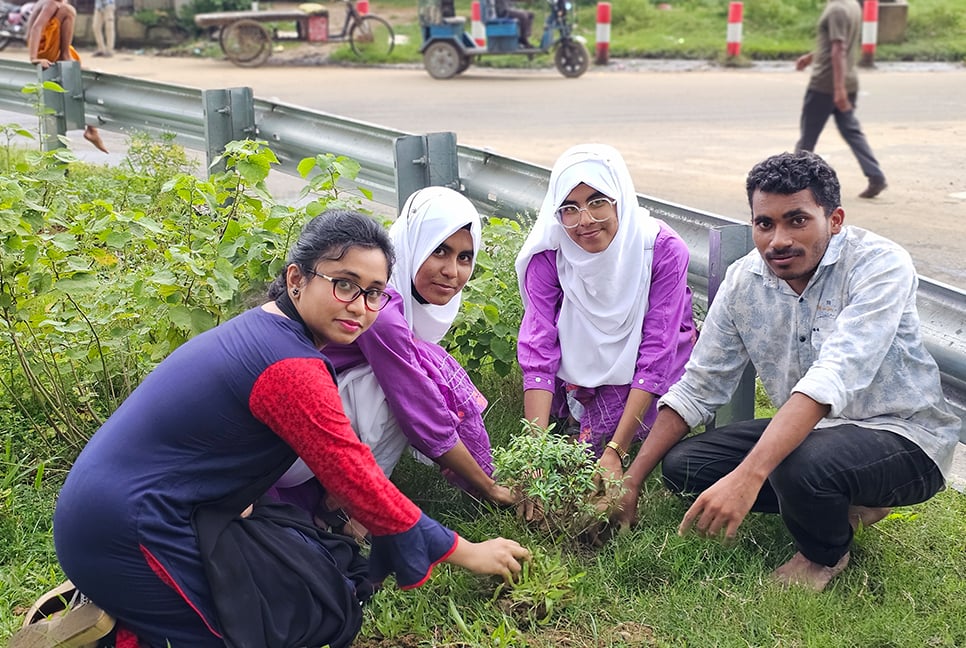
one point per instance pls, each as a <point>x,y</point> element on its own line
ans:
<point>722,507</point>
<point>803,61</point>
<point>841,99</point>
<point>626,514</point>
<point>42,62</point>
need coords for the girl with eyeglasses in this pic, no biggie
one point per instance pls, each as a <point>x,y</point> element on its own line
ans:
<point>399,387</point>
<point>607,324</point>
<point>161,521</point>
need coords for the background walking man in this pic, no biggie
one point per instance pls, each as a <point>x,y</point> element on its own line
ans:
<point>834,85</point>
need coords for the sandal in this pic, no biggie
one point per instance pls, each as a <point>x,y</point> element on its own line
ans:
<point>63,618</point>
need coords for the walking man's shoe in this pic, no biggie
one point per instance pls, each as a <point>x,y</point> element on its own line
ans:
<point>876,186</point>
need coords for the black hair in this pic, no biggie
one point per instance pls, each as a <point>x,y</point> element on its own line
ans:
<point>329,236</point>
<point>788,173</point>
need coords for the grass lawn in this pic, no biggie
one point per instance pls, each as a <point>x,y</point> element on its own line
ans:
<point>905,586</point>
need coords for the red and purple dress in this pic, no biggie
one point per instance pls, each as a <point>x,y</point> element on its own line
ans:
<point>148,523</point>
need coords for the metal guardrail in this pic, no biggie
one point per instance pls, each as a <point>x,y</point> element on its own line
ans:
<point>498,185</point>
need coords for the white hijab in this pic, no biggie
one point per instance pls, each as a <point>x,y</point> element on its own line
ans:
<point>429,217</point>
<point>605,293</point>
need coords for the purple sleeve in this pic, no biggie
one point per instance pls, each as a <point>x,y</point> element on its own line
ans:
<point>669,332</point>
<point>415,400</point>
<point>412,554</point>
<point>538,347</point>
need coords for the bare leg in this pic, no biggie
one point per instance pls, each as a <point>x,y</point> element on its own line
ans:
<point>866,516</point>
<point>802,571</point>
<point>65,14</point>
<point>93,136</point>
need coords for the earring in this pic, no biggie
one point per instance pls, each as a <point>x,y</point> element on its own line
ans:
<point>295,292</point>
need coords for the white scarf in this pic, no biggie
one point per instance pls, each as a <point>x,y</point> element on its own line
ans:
<point>605,293</point>
<point>429,217</point>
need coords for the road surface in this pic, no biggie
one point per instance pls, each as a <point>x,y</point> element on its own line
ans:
<point>689,132</point>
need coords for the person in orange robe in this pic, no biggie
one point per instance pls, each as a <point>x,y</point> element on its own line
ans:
<point>50,31</point>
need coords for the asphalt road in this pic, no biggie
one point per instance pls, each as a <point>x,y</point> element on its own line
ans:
<point>689,132</point>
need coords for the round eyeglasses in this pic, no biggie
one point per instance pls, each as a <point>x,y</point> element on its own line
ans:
<point>597,208</point>
<point>347,291</point>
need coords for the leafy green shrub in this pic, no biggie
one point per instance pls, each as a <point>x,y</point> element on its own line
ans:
<point>103,274</point>
<point>485,331</point>
<point>570,494</point>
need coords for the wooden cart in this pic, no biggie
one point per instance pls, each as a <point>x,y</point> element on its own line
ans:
<point>246,40</point>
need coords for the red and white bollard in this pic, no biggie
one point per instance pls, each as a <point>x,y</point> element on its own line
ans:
<point>362,6</point>
<point>735,10</point>
<point>870,32</point>
<point>603,33</point>
<point>476,24</point>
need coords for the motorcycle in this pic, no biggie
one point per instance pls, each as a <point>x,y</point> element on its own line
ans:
<point>13,22</point>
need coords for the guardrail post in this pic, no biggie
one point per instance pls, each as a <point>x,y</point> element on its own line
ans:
<point>425,161</point>
<point>60,111</point>
<point>229,115</point>
<point>727,244</point>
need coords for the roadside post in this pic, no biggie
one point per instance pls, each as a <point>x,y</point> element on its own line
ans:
<point>870,32</point>
<point>735,10</point>
<point>476,24</point>
<point>603,33</point>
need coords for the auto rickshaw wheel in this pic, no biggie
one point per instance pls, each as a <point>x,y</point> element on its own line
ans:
<point>443,59</point>
<point>571,58</point>
<point>246,43</point>
<point>464,64</point>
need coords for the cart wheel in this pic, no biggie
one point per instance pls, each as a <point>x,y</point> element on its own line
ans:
<point>571,58</point>
<point>443,60</point>
<point>371,38</point>
<point>464,64</point>
<point>246,43</point>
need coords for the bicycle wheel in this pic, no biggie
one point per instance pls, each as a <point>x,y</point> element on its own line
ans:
<point>246,43</point>
<point>371,38</point>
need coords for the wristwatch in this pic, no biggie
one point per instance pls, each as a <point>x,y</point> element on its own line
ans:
<point>625,458</point>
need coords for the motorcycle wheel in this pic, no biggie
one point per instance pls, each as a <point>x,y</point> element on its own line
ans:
<point>571,58</point>
<point>4,41</point>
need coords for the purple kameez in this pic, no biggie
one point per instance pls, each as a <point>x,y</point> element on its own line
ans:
<point>668,337</point>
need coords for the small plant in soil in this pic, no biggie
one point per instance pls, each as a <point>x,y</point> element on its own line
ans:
<point>565,492</point>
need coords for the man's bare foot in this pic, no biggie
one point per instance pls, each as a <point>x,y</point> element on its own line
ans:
<point>93,136</point>
<point>866,516</point>
<point>802,571</point>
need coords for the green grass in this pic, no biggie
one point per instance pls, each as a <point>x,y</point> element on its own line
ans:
<point>772,29</point>
<point>906,586</point>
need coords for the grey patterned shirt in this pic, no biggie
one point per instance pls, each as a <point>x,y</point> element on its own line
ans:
<point>851,340</point>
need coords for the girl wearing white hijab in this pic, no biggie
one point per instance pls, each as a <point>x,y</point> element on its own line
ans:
<point>398,386</point>
<point>607,323</point>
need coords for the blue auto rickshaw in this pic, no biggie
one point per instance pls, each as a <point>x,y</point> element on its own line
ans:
<point>448,49</point>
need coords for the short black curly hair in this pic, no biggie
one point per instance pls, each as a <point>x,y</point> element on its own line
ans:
<point>788,173</point>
